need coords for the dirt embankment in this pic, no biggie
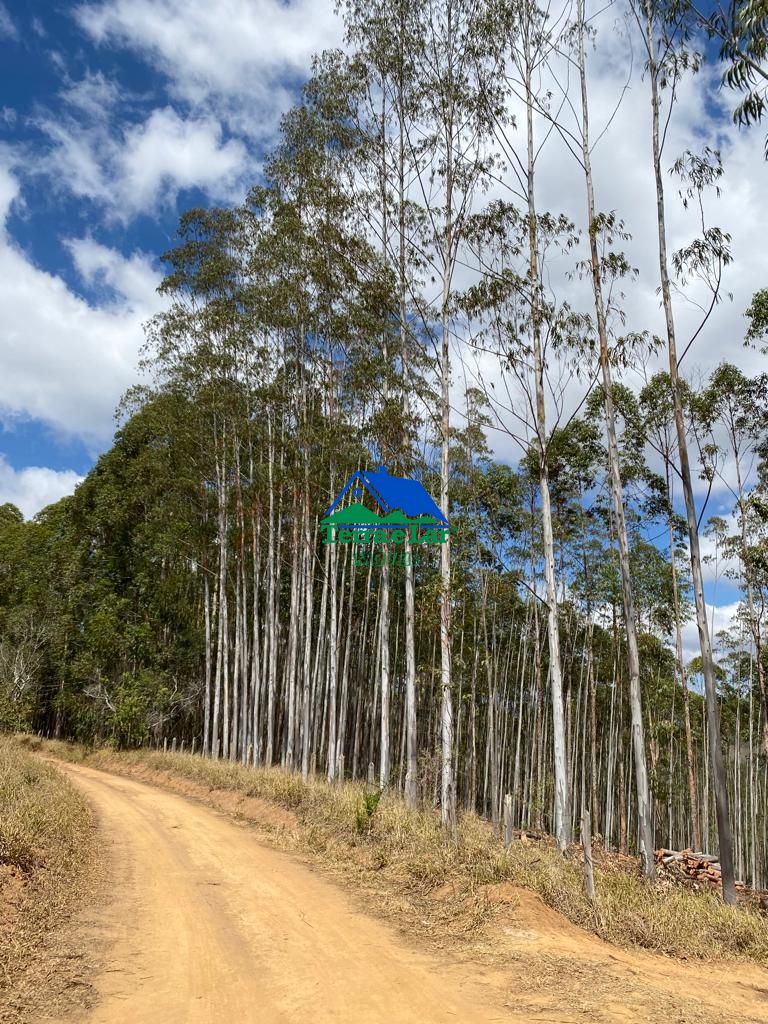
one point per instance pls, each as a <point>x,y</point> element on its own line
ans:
<point>209,923</point>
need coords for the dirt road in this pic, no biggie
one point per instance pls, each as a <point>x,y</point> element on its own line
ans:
<point>208,925</point>
<point>204,923</point>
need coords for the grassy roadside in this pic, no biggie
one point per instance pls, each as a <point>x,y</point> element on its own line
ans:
<point>403,861</point>
<point>45,842</point>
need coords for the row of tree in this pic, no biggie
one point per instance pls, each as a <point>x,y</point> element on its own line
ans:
<point>386,296</point>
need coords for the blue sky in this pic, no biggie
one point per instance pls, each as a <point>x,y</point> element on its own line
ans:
<point>116,115</point>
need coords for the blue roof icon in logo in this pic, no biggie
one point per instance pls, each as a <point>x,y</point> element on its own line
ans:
<point>392,493</point>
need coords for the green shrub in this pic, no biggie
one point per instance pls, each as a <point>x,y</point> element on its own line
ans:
<point>367,809</point>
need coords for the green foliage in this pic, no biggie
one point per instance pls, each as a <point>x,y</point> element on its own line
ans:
<point>366,810</point>
<point>741,28</point>
<point>98,617</point>
<point>757,314</point>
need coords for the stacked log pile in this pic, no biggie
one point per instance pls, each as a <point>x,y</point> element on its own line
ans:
<point>698,867</point>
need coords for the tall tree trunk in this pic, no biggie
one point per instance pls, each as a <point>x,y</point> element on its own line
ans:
<point>271,626</point>
<point>713,716</point>
<point>207,707</point>
<point>333,665</point>
<point>693,797</point>
<point>645,827</point>
<point>555,666</point>
<point>411,750</point>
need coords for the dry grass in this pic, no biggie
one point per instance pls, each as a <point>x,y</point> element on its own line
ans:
<point>45,830</point>
<point>402,858</point>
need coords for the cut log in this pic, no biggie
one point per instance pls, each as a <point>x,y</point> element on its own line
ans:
<point>696,868</point>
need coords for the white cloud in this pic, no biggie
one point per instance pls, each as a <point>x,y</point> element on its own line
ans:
<point>94,95</point>
<point>168,153</point>
<point>131,280</point>
<point>719,617</point>
<point>64,361</point>
<point>232,67</point>
<point>7,27</point>
<point>138,167</point>
<point>34,487</point>
<point>234,53</point>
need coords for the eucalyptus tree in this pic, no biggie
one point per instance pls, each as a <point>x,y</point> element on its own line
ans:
<point>737,406</point>
<point>387,45</point>
<point>757,314</point>
<point>23,631</point>
<point>194,349</point>
<point>521,322</point>
<point>576,466</point>
<point>474,577</point>
<point>529,332</point>
<point>663,31</point>
<point>457,68</point>
<point>740,27</point>
<point>604,269</point>
<point>657,408</point>
<point>267,310</point>
<point>347,299</point>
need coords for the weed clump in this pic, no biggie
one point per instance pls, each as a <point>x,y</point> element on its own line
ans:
<point>366,810</point>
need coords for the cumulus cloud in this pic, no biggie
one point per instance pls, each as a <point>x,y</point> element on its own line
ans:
<point>230,69</point>
<point>34,487</point>
<point>67,362</point>
<point>134,168</point>
<point>236,54</point>
<point>131,281</point>
<point>168,153</point>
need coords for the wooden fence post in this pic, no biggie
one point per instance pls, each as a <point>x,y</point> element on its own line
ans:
<point>586,839</point>
<point>507,821</point>
<point>173,746</point>
<point>182,746</point>
<point>165,744</point>
<point>194,741</point>
<point>371,773</point>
